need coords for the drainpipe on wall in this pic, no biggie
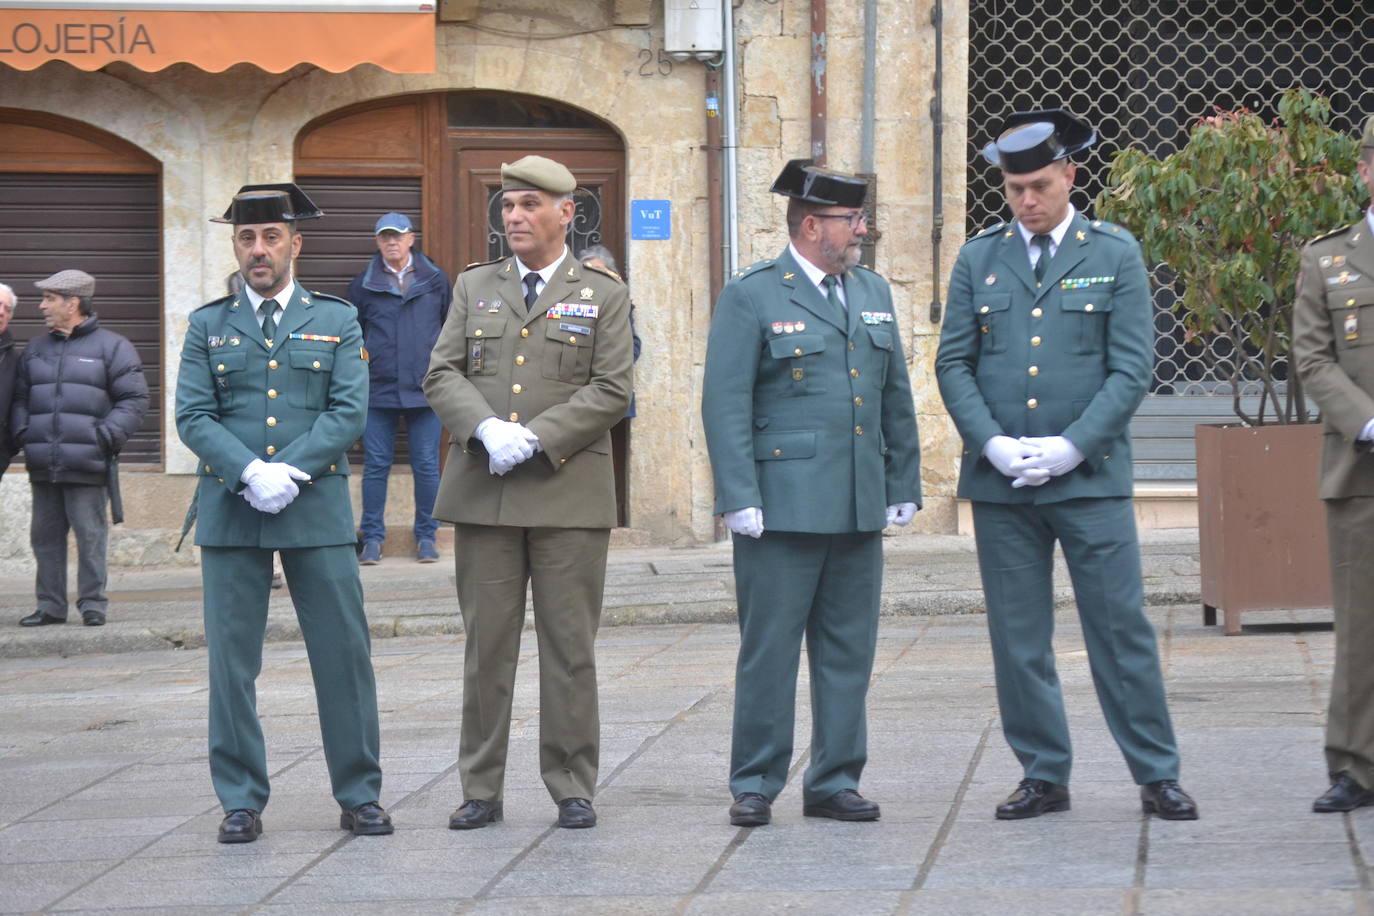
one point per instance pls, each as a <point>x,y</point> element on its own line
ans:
<point>818,63</point>
<point>937,118</point>
<point>715,186</point>
<point>869,248</point>
<point>730,117</point>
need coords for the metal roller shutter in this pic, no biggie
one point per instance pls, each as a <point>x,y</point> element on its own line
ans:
<point>109,226</point>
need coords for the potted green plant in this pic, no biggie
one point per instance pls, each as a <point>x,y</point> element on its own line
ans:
<point>1228,215</point>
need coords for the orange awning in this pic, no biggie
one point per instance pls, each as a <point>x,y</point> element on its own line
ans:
<point>335,35</point>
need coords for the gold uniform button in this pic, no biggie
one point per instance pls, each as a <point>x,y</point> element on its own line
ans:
<point>477,333</point>
<point>1035,341</point>
<point>520,360</point>
<point>271,450</point>
<point>220,367</point>
<point>572,340</point>
<point>853,373</point>
<point>858,402</point>
<point>524,332</point>
<point>1034,370</point>
<point>858,430</point>
<point>983,310</point>
<point>207,469</point>
<point>777,453</point>
<point>797,352</point>
<point>271,392</point>
<point>1037,312</point>
<point>562,461</point>
<point>1349,302</point>
<point>221,480</point>
<point>851,345</point>
<point>1088,307</point>
<point>514,417</point>
<point>315,364</point>
<point>271,421</point>
<point>271,364</point>
<point>1032,403</point>
<point>516,388</point>
<point>331,467</point>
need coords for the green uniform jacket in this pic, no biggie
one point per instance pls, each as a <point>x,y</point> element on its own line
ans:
<point>806,417</point>
<point>1333,346</point>
<point>563,368</point>
<point>1072,358</point>
<point>303,401</point>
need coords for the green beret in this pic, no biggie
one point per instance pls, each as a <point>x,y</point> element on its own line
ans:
<point>539,174</point>
<point>1367,135</point>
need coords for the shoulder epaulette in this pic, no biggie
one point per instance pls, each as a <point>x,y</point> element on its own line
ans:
<point>989,232</point>
<point>605,272</point>
<point>753,268</point>
<point>481,264</point>
<point>1333,233</point>
<point>865,267</point>
<point>327,297</point>
<point>1111,229</point>
<point>220,301</point>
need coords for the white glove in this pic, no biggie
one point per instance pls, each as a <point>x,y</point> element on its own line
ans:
<point>1057,456</point>
<point>901,514</point>
<point>1368,432</point>
<point>507,444</point>
<point>1004,452</point>
<point>748,522</point>
<point>271,485</point>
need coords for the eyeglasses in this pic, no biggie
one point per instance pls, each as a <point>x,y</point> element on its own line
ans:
<point>855,219</point>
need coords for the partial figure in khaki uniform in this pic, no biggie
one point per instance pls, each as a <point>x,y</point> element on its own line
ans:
<point>532,369</point>
<point>271,392</point>
<point>1333,347</point>
<point>1046,351</point>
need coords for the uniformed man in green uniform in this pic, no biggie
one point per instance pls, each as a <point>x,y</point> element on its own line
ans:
<point>1045,353</point>
<point>271,391</point>
<point>531,371</point>
<point>811,428</point>
<point>1333,347</point>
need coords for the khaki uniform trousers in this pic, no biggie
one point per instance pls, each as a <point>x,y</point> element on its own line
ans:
<point>566,569</point>
<point>1350,718</point>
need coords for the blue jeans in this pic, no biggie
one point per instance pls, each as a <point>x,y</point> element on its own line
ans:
<point>379,449</point>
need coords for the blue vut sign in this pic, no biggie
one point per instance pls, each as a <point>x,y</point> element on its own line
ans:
<point>651,219</point>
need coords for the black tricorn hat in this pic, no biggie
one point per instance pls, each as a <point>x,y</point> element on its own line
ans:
<point>269,203</point>
<point>1031,140</point>
<point>804,181</point>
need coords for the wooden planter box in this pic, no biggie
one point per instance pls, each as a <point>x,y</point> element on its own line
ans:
<point>1261,525</point>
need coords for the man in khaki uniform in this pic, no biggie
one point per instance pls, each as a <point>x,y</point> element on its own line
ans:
<point>532,369</point>
<point>1333,347</point>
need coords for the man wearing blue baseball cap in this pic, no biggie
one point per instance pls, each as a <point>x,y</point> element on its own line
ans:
<point>402,299</point>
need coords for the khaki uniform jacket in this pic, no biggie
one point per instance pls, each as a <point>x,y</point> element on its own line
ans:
<point>808,413</point>
<point>1072,357</point>
<point>563,368</point>
<point>302,401</point>
<point>1333,347</point>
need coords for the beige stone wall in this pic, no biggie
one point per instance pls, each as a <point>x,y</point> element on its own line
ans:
<point>215,131</point>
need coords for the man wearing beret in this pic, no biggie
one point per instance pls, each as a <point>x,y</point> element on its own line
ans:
<point>271,391</point>
<point>812,434</point>
<point>531,371</point>
<point>1333,324</point>
<point>1046,351</point>
<point>79,395</point>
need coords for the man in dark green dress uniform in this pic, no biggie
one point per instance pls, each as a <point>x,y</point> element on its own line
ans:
<point>1046,351</point>
<point>1333,347</point>
<point>271,391</point>
<point>812,433</point>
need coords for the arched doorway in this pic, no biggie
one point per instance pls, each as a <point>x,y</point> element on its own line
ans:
<point>72,195</point>
<point>437,157</point>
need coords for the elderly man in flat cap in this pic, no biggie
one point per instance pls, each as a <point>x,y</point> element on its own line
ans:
<point>1046,351</point>
<point>812,434</point>
<point>271,392</point>
<point>79,395</point>
<point>1333,324</point>
<point>531,371</point>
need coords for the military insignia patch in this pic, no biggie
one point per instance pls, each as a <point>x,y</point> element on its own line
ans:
<point>777,327</point>
<point>801,326</point>
<point>1337,260</point>
<point>1342,279</point>
<point>215,341</point>
<point>788,327</point>
<point>1324,260</point>
<point>876,317</point>
<point>585,293</point>
<point>990,279</point>
<point>1080,235</point>
<point>1084,282</point>
<point>234,341</point>
<point>327,338</point>
<point>573,310</point>
<point>1352,327</point>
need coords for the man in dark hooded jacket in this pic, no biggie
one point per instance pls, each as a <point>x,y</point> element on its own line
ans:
<point>78,397</point>
<point>9,364</point>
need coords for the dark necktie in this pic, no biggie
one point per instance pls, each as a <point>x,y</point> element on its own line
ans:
<point>531,294</point>
<point>1042,242</point>
<point>267,310</point>
<point>832,295</point>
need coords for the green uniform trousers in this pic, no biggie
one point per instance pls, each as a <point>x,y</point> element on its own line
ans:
<point>1350,716</point>
<point>826,587</point>
<point>565,568</point>
<point>329,605</point>
<point>1015,556</point>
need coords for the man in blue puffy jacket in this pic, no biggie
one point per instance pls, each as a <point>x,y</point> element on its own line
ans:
<point>402,299</point>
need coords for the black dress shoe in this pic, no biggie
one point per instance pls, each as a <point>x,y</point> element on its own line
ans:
<point>93,618</point>
<point>576,812</point>
<point>750,810</point>
<point>368,819</point>
<point>474,813</point>
<point>1166,798</point>
<point>844,805</point>
<point>1032,798</point>
<point>240,826</point>
<point>39,619</point>
<point>1345,794</point>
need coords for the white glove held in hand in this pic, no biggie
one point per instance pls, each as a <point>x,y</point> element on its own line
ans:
<point>901,514</point>
<point>1004,452</point>
<point>748,522</point>
<point>1368,432</point>
<point>1058,455</point>
<point>507,444</point>
<point>271,485</point>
